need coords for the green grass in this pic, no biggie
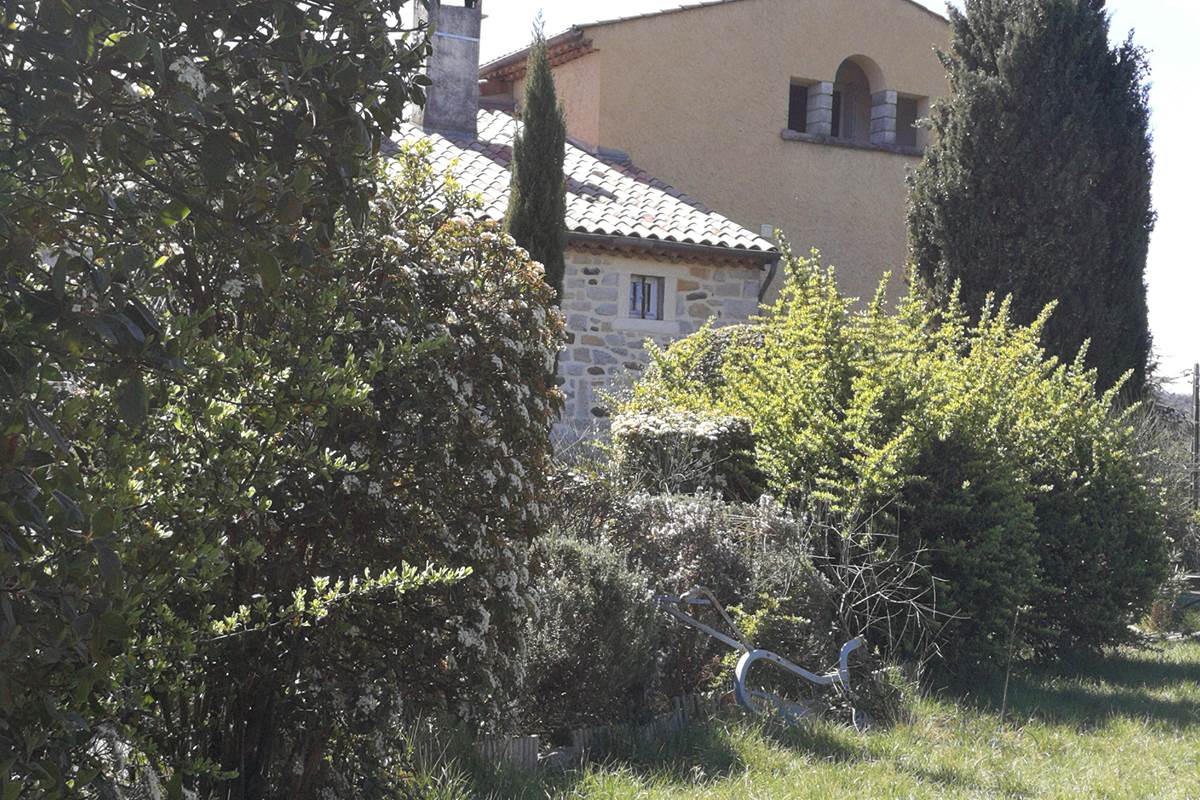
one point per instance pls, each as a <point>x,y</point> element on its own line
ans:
<point>1123,725</point>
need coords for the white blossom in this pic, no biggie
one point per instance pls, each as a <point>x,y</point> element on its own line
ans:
<point>189,73</point>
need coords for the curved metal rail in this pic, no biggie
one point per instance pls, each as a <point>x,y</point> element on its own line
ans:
<point>745,696</point>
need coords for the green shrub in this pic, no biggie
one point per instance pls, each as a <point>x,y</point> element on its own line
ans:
<point>967,517</point>
<point>593,644</point>
<point>158,160</point>
<point>683,541</point>
<point>379,410</point>
<point>854,410</point>
<point>741,551</point>
<point>682,452</point>
<point>1103,557</point>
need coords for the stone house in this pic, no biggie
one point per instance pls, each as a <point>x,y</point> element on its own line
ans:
<point>796,115</point>
<point>644,261</point>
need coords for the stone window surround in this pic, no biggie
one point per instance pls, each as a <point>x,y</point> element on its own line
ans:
<point>819,120</point>
<point>668,324</point>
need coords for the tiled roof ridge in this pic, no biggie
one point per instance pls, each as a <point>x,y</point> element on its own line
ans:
<point>605,197</point>
<point>561,48</point>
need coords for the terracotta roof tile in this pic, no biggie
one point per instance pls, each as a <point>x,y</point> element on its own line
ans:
<point>603,197</point>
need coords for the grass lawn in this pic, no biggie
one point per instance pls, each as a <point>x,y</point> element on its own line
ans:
<point>1125,725</point>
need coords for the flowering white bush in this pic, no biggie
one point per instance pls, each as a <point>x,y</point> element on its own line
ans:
<point>450,454</point>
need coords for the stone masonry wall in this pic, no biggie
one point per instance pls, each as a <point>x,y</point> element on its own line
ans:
<point>605,351</point>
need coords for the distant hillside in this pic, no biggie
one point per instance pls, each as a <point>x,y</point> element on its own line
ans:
<point>1176,401</point>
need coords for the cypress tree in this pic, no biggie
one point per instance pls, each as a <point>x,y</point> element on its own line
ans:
<point>1038,180</point>
<point>537,203</point>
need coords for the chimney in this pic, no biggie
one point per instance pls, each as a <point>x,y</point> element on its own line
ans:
<point>452,101</point>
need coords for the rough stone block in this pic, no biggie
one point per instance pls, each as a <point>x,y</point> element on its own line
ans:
<point>606,310</point>
<point>819,102</point>
<point>685,285</point>
<point>577,321</point>
<point>591,341</point>
<point>740,309</point>
<point>601,293</point>
<point>610,279</point>
<point>887,97</point>
<point>602,357</point>
<point>818,116</point>
<point>699,295</point>
<point>883,124</point>
<point>582,354</point>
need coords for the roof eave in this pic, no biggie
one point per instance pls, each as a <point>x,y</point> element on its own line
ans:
<point>673,249</point>
<point>570,40</point>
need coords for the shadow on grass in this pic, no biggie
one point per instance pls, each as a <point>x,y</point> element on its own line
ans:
<point>699,754</point>
<point>820,741</point>
<point>1089,691</point>
<point>1084,694</point>
<point>844,747</point>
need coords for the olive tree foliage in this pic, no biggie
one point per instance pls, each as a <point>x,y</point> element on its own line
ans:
<point>231,375</point>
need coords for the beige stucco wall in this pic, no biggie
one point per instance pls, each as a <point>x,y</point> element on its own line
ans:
<point>699,98</point>
<point>605,350</point>
<point>580,81</point>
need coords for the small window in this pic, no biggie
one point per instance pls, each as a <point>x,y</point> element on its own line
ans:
<point>645,297</point>
<point>906,121</point>
<point>798,108</point>
<point>836,130</point>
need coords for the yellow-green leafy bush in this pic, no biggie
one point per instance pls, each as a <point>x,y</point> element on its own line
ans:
<point>1010,473</point>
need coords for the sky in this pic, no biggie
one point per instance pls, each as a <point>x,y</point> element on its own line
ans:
<point>1168,29</point>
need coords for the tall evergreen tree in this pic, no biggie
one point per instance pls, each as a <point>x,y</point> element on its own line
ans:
<point>1038,180</point>
<point>537,204</point>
